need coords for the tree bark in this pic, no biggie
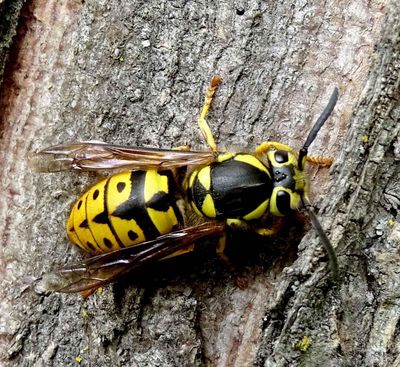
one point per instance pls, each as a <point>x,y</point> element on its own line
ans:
<point>135,73</point>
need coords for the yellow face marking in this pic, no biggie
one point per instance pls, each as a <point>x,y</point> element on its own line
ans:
<point>301,182</point>
<point>295,201</point>
<point>253,161</point>
<point>204,177</point>
<point>224,157</point>
<point>292,160</point>
<point>258,212</point>
<point>208,207</point>
<point>118,192</point>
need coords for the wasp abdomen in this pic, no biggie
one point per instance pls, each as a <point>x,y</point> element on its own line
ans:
<point>123,210</point>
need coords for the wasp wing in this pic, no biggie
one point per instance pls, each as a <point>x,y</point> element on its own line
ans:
<point>106,268</point>
<point>93,156</point>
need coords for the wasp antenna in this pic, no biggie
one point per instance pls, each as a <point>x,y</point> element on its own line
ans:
<point>317,126</point>
<point>333,261</point>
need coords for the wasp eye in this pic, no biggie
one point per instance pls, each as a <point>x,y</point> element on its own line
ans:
<point>281,156</point>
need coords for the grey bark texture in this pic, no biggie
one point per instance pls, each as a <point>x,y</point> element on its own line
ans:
<point>134,73</point>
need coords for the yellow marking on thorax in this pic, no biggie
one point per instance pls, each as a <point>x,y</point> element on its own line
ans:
<point>204,177</point>
<point>208,207</point>
<point>258,212</point>
<point>251,160</point>
<point>192,177</point>
<point>224,157</point>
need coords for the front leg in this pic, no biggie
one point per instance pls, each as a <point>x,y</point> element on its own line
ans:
<point>274,228</point>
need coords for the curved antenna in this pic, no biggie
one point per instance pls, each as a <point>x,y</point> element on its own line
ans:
<point>333,261</point>
<point>317,126</point>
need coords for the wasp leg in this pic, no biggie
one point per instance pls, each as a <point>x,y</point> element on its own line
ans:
<point>263,148</point>
<point>220,249</point>
<point>278,223</point>
<point>204,127</point>
<point>276,226</point>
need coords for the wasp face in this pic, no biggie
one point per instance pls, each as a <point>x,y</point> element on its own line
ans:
<point>289,182</point>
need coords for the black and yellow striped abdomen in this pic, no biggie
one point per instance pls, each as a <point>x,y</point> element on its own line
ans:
<point>123,210</point>
<point>235,186</point>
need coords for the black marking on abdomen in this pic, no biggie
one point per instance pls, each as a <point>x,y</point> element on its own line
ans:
<point>121,186</point>
<point>90,245</point>
<point>107,242</point>
<point>81,241</point>
<point>173,190</point>
<point>160,201</point>
<point>135,207</point>
<point>84,224</point>
<point>102,218</point>
<point>132,235</point>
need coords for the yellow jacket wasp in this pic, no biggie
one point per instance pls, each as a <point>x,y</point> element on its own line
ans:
<point>167,199</point>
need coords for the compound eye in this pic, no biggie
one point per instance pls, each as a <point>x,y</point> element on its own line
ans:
<point>281,156</point>
<point>283,202</point>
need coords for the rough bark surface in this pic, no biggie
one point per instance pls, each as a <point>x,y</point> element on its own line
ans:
<point>134,73</point>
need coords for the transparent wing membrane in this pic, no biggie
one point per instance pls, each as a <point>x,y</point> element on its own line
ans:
<point>93,156</point>
<point>106,268</point>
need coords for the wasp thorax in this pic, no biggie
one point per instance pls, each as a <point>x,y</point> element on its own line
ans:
<point>235,186</point>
